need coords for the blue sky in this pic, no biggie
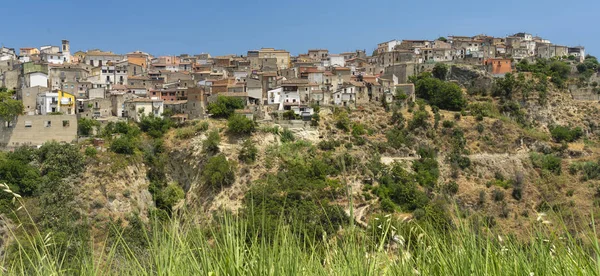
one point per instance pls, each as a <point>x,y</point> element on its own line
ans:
<point>233,27</point>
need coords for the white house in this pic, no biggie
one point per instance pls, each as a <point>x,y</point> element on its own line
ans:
<point>275,95</point>
<point>37,79</point>
<point>344,96</point>
<point>334,61</point>
<point>47,103</point>
<point>137,107</point>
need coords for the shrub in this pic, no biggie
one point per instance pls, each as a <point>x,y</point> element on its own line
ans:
<point>562,133</point>
<point>211,144</point>
<point>448,124</point>
<point>287,136</point>
<point>64,159</point>
<point>169,196</point>
<point>218,172</point>
<point>444,95</point>
<point>547,162</point>
<point>155,126</point>
<point>426,172</point>
<point>224,106</point>
<point>419,120</point>
<point>479,128</point>
<point>185,133</point>
<point>91,151</point>
<point>239,124</point>
<point>498,195</point>
<point>85,126</point>
<point>123,145</point>
<point>202,126</point>
<point>358,130</point>
<point>440,70</point>
<point>248,152</point>
<point>328,145</point>
<point>396,138</point>
<point>342,121</point>
<point>451,188</point>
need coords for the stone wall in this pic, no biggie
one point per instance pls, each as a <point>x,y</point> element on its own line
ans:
<point>34,130</point>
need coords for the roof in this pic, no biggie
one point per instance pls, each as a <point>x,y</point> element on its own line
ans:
<point>295,82</point>
<point>143,100</point>
<point>176,102</point>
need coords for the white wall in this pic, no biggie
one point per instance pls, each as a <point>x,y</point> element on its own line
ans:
<point>274,95</point>
<point>38,79</point>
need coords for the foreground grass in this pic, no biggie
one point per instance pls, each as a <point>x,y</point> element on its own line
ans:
<point>227,247</point>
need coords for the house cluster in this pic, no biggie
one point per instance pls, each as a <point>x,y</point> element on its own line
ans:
<point>102,85</point>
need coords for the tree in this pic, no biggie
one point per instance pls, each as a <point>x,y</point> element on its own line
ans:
<point>248,152</point>
<point>218,173</point>
<point>441,38</point>
<point>239,124</point>
<point>123,145</point>
<point>64,159</point>
<point>504,87</point>
<point>9,107</point>
<point>155,126</point>
<point>86,126</point>
<point>211,144</point>
<point>440,71</point>
<point>224,106</point>
<point>444,95</point>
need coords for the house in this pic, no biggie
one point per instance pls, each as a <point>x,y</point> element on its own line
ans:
<point>35,130</point>
<point>578,52</point>
<point>29,97</point>
<point>47,103</point>
<point>66,102</point>
<point>345,95</point>
<point>498,66</point>
<point>334,61</point>
<point>7,54</point>
<point>394,57</point>
<point>387,46</point>
<point>94,108</point>
<point>282,58</point>
<point>97,58</point>
<point>136,108</point>
<point>275,95</point>
<point>318,54</point>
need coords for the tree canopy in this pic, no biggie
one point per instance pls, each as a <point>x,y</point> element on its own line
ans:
<point>9,107</point>
<point>224,106</point>
<point>445,95</point>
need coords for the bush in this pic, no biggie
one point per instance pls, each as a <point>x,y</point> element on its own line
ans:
<point>328,145</point>
<point>451,188</point>
<point>498,195</point>
<point>448,124</point>
<point>211,144</point>
<point>239,124</point>
<point>185,133</point>
<point>123,145</point>
<point>169,196</point>
<point>155,126</point>
<point>91,151</point>
<point>290,115</point>
<point>85,126</point>
<point>224,106</point>
<point>64,159</point>
<point>440,71</point>
<point>562,133</point>
<point>419,120</point>
<point>444,95</point>
<point>358,130</point>
<point>218,172</point>
<point>287,136</point>
<point>396,138</point>
<point>342,121</point>
<point>479,128</point>
<point>248,152</point>
<point>547,162</point>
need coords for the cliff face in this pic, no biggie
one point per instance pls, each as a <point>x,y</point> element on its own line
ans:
<point>113,189</point>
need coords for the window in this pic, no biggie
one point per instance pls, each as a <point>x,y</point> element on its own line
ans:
<point>27,123</point>
<point>66,123</point>
<point>48,124</point>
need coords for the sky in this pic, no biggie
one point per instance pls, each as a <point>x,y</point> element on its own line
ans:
<point>234,27</point>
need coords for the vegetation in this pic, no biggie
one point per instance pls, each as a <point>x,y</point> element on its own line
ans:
<point>547,162</point>
<point>248,152</point>
<point>224,106</point>
<point>566,134</point>
<point>218,172</point>
<point>85,126</point>
<point>211,144</point>
<point>440,71</point>
<point>445,95</point>
<point>9,107</point>
<point>240,125</point>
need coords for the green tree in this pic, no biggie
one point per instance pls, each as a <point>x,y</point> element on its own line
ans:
<point>440,71</point>
<point>441,38</point>
<point>9,107</point>
<point>239,124</point>
<point>444,95</point>
<point>248,152</point>
<point>85,126</point>
<point>224,106</point>
<point>123,145</point>
<point>61,158</point>
<point>155,126</point>
<point>211,144</point>
<point>218,172</point>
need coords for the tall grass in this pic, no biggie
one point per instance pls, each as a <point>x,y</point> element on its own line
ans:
<point>390,248</point>
<point>227,246</point>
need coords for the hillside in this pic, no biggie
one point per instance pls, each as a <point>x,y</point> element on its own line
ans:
<point>505,156</point>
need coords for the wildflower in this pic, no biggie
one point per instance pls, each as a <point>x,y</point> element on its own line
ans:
<point>531,274</point>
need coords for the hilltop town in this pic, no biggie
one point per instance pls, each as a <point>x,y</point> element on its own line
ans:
<point>57,87</point>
